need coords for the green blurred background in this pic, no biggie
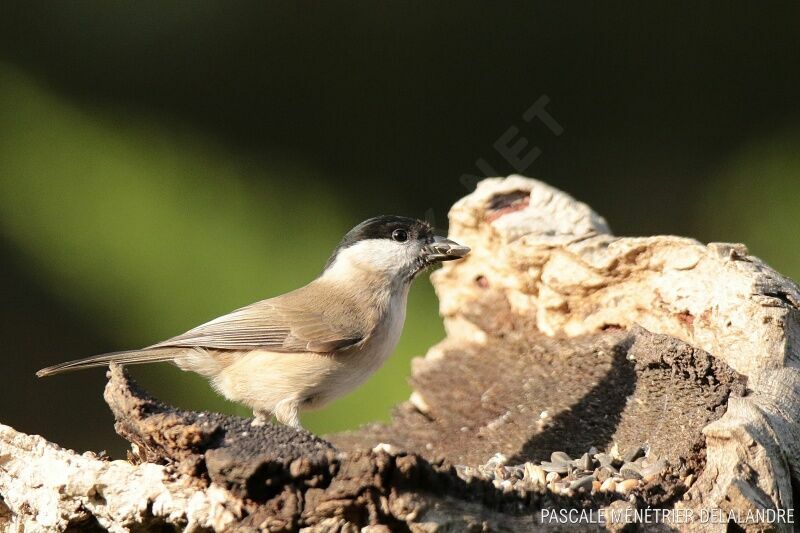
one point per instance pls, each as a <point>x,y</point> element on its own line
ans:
<point>162,163</point>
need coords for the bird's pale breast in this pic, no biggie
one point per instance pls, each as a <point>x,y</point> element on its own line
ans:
<point>261,379</point>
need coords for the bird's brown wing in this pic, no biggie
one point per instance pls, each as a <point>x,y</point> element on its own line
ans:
<point>280,324</point>
<point>305,320</point>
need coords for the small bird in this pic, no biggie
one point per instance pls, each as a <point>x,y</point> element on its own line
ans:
<point>309,346</point>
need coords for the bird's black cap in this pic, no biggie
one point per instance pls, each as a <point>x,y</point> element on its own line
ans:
<point>382,227</point>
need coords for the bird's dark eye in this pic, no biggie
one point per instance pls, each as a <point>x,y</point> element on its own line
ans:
<point>400,235</point>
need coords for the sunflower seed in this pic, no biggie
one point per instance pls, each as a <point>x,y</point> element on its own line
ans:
<point>584,463</point>
<point>653,469</point>
<point>603,473</point>
<point>633,454</point>
<point>560,457</point>
<point>497,459</point>
<point>630,471</point>
<point>608,485</point>
<point>562,488</point>
<point>560,468</point>
<point>535,473</point>
<point>582,483</point>
<point>624,487</point>
<point>517,472</point>
<point>604,459</point>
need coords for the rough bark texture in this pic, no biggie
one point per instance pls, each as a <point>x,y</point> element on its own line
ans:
<point>561,338</point>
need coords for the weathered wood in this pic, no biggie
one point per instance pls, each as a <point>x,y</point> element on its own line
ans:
<point>555,262</point>
<point>561,337</point>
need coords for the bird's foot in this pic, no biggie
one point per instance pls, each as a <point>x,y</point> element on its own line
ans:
<point>287,413</point>
<point>259,419</point>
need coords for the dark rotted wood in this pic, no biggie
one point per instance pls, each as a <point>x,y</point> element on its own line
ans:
<point>616,386</point>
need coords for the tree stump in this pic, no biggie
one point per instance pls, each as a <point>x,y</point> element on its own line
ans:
<point>595,376</point>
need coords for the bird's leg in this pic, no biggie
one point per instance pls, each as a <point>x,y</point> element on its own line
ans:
<point>287,412</point>
<point>260,418</point>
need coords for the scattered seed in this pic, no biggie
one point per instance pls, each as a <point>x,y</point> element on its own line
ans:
<point>604,472</point>
<point>624,487</point>
<point>630,471</point>
<point>689,480</point>
<point>608,485</point>
<point>604,459</point>
<point>653,470</point>
<point>517,472</point>
<point>560,468</point>
<point>561,488</point>
<point>497,459</point>
<point>535,474</point>
<point>560,457</point>
<point>633,454</point>
<point>582,483</point>
<point>614,452</point>
<point>592,472</point>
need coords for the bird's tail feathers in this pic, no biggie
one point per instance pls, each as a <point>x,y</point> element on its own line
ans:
<point>131,357</point>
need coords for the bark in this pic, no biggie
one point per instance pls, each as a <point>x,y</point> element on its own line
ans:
<point>560,337</point>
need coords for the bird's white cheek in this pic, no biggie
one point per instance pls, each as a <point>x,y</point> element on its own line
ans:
<point>378,255</point>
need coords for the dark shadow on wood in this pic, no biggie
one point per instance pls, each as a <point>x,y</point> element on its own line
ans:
<point>591,421</point>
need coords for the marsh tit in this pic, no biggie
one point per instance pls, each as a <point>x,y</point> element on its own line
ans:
<point>309,346</point>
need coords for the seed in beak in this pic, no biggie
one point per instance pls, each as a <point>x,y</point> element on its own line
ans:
<point>442,249</point>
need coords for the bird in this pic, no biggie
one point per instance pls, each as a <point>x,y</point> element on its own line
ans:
<point>309,346</point>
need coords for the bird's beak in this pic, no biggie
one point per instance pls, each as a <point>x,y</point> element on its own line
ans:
<point>442,249</point>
